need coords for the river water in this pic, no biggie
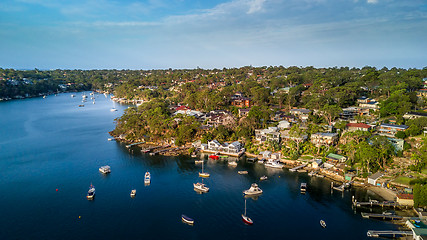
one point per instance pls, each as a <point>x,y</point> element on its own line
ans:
<point>50,152</point>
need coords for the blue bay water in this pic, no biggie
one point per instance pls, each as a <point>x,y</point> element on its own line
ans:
<point>49,144</point>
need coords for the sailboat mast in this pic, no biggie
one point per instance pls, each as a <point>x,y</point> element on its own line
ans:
<point>245,206</point>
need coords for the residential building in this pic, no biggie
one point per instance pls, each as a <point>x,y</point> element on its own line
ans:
<point>374,178</point>
<point>327,139</point>
<point>301,113</point>
<point>284,125</point>
<point>413,115</point>
<point>243,112</point>
<point>215,146</point>
<point>390,130</point>
<point>219,117</point>
<point>358,126</point>
<point>336,157</point>
<point>284,135</point>
<point>405,199</point>
<point>349,113</point>
<point>422,92</point>
<point>269,134</point>
<point>239,100</point>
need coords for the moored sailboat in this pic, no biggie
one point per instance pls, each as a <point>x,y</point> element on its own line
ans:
<point>203,174</point>
<point>245,218</point>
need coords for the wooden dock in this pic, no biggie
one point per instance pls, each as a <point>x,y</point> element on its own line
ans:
<point>381,216</point>
<point>388,233</point>
<point>299,167</point>
<point>146,150</point>
<point>374,203</point>
<point>134,144</point>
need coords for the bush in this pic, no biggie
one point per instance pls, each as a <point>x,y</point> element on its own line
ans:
<point>400,134</point>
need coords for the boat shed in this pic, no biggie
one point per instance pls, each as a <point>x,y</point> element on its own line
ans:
<point>405,199</point>
<point>374,177</point>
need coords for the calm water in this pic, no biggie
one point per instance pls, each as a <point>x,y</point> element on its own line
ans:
<point>49,144</point>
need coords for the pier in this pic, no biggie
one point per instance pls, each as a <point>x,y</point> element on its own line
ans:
<point>381,216</point>
<point>388,233</point>
<point>296,168</point>
<point>134,144</point>
<point>146,150</point>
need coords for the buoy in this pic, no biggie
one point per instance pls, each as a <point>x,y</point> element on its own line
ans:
<point>80,216</point>
<point>57,189</point>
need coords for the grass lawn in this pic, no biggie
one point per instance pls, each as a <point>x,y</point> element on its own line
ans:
<point>402,180</point>
<point>306,157</point>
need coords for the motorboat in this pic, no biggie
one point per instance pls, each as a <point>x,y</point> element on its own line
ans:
<point>187,219</point>
<point>303,187</point>
<point>198,161</point>
<point>214,157</point>
<point>245,218</point>
<point>105,169</point>
<point>273,164</point>
<point>147,178</point>
<point>113,110</point>
<point>200,187</point>
<point>91,193</point>
<point>253,190</point>
<point>263,178</point>
<point>242,172</point>
<point>322,223</point>
<point>133,193</point>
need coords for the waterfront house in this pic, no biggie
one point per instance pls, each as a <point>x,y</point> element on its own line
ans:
<point>225,148</point>
<point>374,178</point>
<point>358,126</point>
<point>336,157</point>
<point>405,199</point>
<point>220,117</point>
<point>276,156</point>
<point>284,135</point>
<point>269,134</point>
<point>390,130</point>
<point>327,139</point>
<point>266,154</point>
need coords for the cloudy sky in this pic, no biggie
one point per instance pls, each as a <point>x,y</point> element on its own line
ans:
<point>159,34</point>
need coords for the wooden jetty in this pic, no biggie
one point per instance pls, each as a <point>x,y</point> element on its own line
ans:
<point>381,216</point>
<point>340,188</point>
<point>299,167</point>
<point>134,144</point>
<point>388,233</point>
<point>165,150</point>
<point>146,150</point>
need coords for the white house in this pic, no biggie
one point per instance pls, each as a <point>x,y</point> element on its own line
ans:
<point>374,177</point>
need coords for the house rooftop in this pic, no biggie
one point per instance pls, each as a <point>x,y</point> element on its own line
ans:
<point>358,125</point>
<point>394,126</point>
<point>376,175</point>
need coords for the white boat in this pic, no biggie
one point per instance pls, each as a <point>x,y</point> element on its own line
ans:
<point>203,174</point>
<point>198,161</point>
<point>187,219</point>
<point>242,172</point>
<point>147,177</point>
<point>105,169</point>
<point>72,95</point>
<point>253,190</point>
<point>200,187</point>
<point>303,187</point>
<point>263,178</point>
<point>91,193</point>
<point>322,223</point>
<point>273,164</point>
<point>133,193</point>
<point>232,163</point>
<point>44,96</point>
<point>245,218</point>
<point>84,96</point>
<point>113,110</point>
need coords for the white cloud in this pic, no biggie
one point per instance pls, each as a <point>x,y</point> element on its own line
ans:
<point>372,1</point>
<point>255,6</point>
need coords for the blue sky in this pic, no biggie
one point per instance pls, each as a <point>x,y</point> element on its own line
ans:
<point>159,34</point>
